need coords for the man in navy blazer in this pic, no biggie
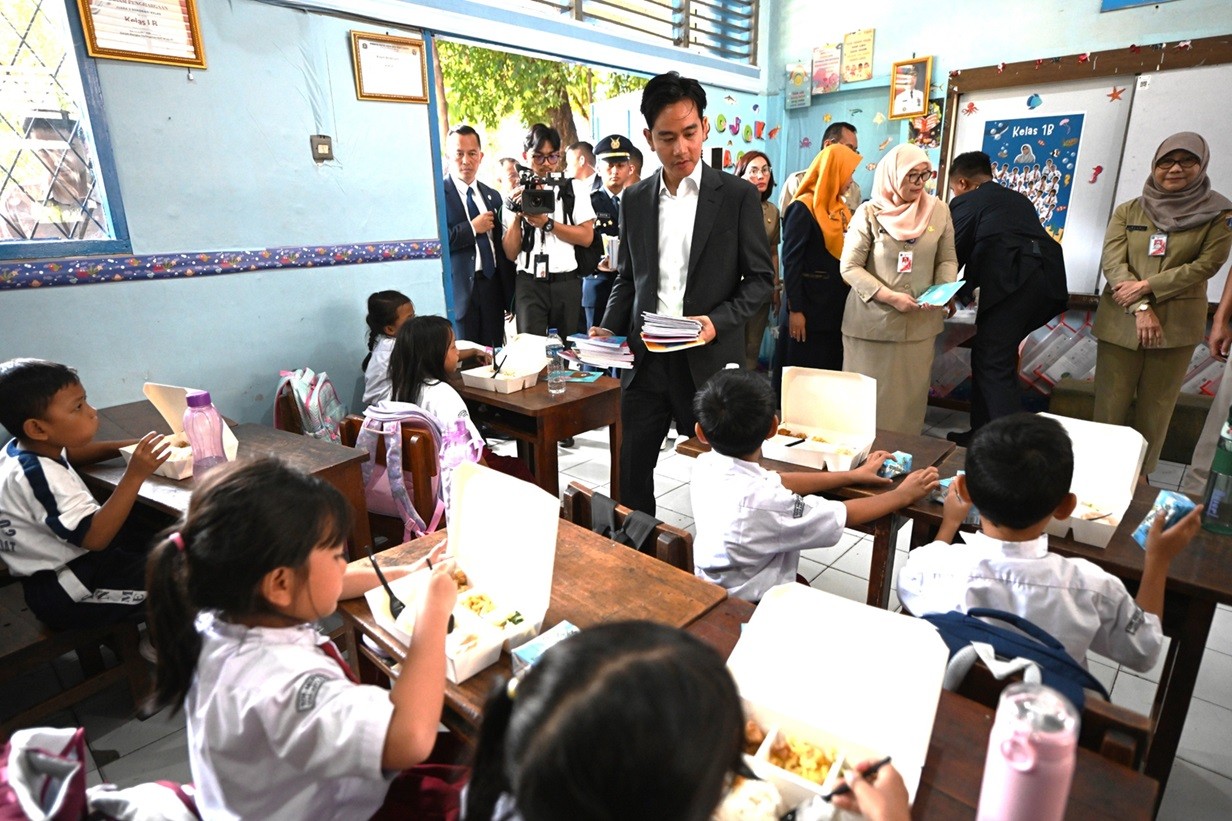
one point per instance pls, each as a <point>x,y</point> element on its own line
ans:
<point>692,244</point>
<point>481,274</point>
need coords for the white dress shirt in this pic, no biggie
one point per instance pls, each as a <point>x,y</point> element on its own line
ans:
<point>751,529</point>
<point>677,215</point>
<point>482,205</point>
<point>561,254</point>
<point>1083,606</point>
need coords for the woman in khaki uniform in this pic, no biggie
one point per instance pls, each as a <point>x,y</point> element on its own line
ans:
<point>900,243</point>
<point>1159,251</point>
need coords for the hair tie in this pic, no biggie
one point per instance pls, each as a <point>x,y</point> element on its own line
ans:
<point>511,688</point>
<point>177,540</point>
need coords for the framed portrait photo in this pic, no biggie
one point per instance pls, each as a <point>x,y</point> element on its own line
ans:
<point>392,69</point>
<point>909,91</point>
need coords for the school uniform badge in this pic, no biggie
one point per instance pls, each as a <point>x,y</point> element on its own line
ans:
<point>797,510</point>
<point>306,695</point>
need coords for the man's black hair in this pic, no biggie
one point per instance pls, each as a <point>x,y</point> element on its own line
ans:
<point>466,131</point>
<point>835,131</point>
<point>1019,469</point>
<point>635,156</point>
<point>667,89</point>
<point>971,164</point>
<point>27,387</point>
<point>540,134</point>
<point>735,409</point>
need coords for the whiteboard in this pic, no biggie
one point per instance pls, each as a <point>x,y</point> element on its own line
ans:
<point>1192,99</point>
<point>1103,133</point>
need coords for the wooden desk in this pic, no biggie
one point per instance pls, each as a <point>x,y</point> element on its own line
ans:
<point>338,465</point>
<point>1198,579</point>
<point>925,451</point>
<point>538,421</point>
<point>595,580</point>
<point>954,768</point>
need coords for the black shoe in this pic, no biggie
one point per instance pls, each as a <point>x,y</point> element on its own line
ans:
<point>566,443</point>
<point>962,438</point>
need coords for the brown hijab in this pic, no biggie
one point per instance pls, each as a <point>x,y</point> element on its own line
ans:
<point>1189,207</point>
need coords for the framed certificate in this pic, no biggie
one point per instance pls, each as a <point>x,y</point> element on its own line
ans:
<point>146,31</point>
<point>393,69</point>
<point>909,94</point>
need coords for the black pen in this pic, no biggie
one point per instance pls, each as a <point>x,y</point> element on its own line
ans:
<point>844,788</point>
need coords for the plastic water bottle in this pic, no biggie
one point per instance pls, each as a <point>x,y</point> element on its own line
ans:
<point>1030,762</point>
<point>1217,517</point>
<point>203,427</point>
<point>558,370</point>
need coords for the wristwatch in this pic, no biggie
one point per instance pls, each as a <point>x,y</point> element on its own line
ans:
<point>549,225</point>
<point>1146,306</point>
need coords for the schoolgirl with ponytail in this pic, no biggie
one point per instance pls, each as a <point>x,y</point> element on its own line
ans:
<point>277,725</point>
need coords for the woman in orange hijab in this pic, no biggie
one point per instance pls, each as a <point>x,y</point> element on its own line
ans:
<point>810,325</point>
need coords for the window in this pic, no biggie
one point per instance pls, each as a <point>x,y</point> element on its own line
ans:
<point>721,28</point>
<point>58,193</point>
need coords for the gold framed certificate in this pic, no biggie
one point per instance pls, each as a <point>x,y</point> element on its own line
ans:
<point>146,31</point>
<point>393,69</point>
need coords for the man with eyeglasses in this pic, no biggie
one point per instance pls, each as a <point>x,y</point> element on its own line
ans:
<point>843,134</point>
<point>548,289</point>
<point>1020,273</point>
<point>482,276</point>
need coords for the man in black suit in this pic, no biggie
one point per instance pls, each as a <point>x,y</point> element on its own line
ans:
<point>612,154</point>
<point>692,244</point>
<point>482,276</point>
<point>1020,272</point>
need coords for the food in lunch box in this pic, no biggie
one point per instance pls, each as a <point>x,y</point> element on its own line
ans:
<point>817,437</point>
<point>479,604</point>
<point>512,618</point>
<point>754,735</point>
<point>749,799</point>
<point>177,440</point>
<point>459,578</point>
<point>801,757</point>
<point>786,431</point>
<point>1088,511</point>
<point>461,642</point>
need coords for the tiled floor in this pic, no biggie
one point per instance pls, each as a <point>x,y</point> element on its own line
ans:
<point>126,751</point>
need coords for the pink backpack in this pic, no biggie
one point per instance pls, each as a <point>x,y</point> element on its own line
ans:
<point>320,409</point>
<point>387,489</point>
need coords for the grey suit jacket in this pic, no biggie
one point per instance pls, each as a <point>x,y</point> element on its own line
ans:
<point>729,268</point>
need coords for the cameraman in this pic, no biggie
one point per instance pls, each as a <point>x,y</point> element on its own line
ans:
<point>548,292</point>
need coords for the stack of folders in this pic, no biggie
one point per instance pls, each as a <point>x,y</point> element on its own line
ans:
<point>663,333</point>
<point>601,351</point>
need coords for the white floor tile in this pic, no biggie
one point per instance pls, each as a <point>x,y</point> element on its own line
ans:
<point>590,473</point>
<point>1167,473</point>
<point>1215,679</point>
<point>1134,693</point>
<point>1106,674</point>
<point>810,569</point>
<point>112,730</point>
<point>566,458</point>
<point>850,538</point>
<point>842,584</point>
<point>676,466</point>
<point>902,541</point>
<point>678,500</point>
<point>1220,637</point>
<point>1205,739</point>
<point>824,555</point>
<point>674,518</point>
<point>164,759</point>
<point>1196,794</point>
<point>665,484</point>
<point>857,560</point>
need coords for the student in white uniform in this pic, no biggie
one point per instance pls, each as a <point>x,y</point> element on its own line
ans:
<point>752,523</point>
<point>277,725</point>
<point>1018,475</point>
<point>387,310</point>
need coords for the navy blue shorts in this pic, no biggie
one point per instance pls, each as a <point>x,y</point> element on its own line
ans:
<point>115,578</point>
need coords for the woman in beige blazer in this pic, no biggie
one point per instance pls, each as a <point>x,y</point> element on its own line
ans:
<point>1159,251</point>
<point>899,244</point>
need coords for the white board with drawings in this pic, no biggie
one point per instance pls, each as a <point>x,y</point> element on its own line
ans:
<point>1191,99</point>
<point>1072,133</point>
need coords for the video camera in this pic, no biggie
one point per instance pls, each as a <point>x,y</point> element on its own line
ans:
<point>538,193</point>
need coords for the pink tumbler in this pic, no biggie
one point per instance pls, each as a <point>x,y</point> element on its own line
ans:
<point>1030,761</point>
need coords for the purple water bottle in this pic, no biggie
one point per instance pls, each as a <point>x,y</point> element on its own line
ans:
<point>203,427</point>
<point>1030,761</point>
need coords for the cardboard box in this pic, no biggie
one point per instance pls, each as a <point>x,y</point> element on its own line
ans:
<point>527,655</point>
<point>171,402</point>
<point>521,361</point>
<point>865,678</point>
<point>835,412</point>
<point>1107,461</point>
<point>512,566</point>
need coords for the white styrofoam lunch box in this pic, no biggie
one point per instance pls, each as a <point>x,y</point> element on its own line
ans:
<point>833,412</point>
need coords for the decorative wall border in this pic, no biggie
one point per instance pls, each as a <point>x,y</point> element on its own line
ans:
<point>54,273</point>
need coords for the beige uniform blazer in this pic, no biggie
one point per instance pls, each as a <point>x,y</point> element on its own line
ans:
<point>1178,278</point>
<point>870,261</point>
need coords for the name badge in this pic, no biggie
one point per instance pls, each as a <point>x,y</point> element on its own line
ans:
<point>541,266</point>
<point>1158,246</point>
<point>904,261</point>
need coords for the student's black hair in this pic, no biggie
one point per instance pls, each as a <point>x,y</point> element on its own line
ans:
<point>1019,469</point>
<point>382,311</point>
<point>27,387</point>
<point>419,355</point>
<point>834,131</point>
<point>735,409</point>
<point>466,131</point>
<point>627,720</point>
<point>540,134</point>
<point>971,164</point>
<point>743,166</point>
<point>244,519</point>
<point>667,89</point>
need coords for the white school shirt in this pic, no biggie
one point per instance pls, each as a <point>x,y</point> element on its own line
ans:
<point>677,216</point>
<point>45,512</point>
<point>377,382</point>
<point>751,529</point>
<point>277,730</point>
<point>1079,603</point>
<point>561,256</point>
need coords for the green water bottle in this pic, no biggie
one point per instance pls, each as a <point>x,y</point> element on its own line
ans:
<point>1217,517</point>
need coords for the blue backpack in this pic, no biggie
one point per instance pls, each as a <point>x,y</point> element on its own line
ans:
<point>1058,669</point>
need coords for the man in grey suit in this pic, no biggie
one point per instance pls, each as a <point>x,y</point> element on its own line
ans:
<point>691,244</point>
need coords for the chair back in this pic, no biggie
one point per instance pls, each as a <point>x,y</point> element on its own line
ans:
<point>287,415</point>
<point>419,458</point>
<point>671,544</point>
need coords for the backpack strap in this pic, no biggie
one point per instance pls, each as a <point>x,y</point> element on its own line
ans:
<point>603,515</point>
<point>384,421</point>
<point>637,531</point>
<point>1018,623</point>
<point>639,528</point>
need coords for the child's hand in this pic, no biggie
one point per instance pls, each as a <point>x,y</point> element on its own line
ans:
<point>866,474</point>
<point>1166,544</point>
<point>919,483</point>
<point>882,799</point>
<point>441,595</point>
<point>152,451</point>
<point>956,507</point>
